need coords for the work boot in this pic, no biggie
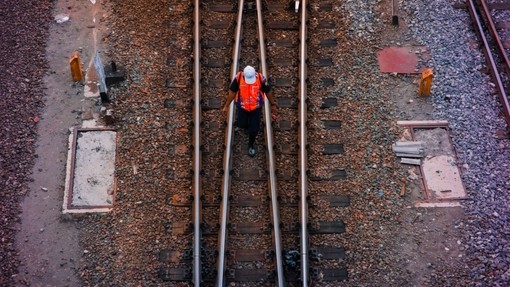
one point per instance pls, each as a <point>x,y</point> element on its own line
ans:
<point>251,151</point>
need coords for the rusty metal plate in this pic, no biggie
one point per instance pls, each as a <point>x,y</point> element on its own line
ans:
<point>250,174</point>
<point>333,149</point>
<point>175,274</point>
<point>397,59</point>
<point>211,103</point>
<point>214,63</point>
<point>170,83</point>
<point>281,62</point>
<point>282,82</point>
<point>222,43</point>
<point>245,255</point>
<point>219,24</point>
<point>331,124</point>
<point>221,7</point>
<point>327,227</point>
<point>251,275</point>
<point>329,102</point>
<point>326,25</point>
<point>287,102</point>
<point>282,25</point>
<point>336,200</point>
<point>287,43</point>
<point>328,43</point>
<point>328,253</point>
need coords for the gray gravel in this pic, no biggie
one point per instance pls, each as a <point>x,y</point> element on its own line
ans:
<point>460,95</point>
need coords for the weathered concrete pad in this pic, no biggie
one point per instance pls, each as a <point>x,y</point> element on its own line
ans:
<point>90,175</point>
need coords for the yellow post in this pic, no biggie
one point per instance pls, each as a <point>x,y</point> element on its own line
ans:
<point>76,67</point>
<point>426,82</point>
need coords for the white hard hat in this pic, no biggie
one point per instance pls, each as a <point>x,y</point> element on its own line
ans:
<point>249,74</point>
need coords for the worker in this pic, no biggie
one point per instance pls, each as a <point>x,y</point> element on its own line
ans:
<point>249,89</point>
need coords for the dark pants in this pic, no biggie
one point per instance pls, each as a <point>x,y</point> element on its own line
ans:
<point>250,121</point>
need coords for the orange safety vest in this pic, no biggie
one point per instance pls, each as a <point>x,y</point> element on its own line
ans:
<point>249,97</point>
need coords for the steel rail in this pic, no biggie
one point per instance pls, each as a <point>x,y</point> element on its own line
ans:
<point>494,34</point>
<point>275,215</point>
<point>227,160</point>
<point>490,61</point>
<point>197,154</point>
<point>303,157</point>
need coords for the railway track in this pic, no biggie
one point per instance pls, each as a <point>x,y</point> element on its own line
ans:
<point>493,46</point>
<point>253,220</point>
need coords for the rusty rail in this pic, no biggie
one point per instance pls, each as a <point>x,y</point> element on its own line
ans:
<point>490,61</point>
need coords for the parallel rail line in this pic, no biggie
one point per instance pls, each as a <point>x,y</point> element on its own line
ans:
<point>479,11</point>
<point>209,259</point>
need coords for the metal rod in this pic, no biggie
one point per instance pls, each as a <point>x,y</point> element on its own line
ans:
<point>495,36</point>
<point>227,160</point>
<point>197,155</point>
<point>490,61</point>
<point>303,157</point>
<point>280,280</point>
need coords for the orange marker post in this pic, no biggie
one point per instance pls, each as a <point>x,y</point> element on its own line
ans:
<point>76,71</point>
<point>426,82</point>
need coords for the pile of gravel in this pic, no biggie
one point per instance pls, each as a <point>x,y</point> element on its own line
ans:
<point>463,95</point>
<point>22,64</point>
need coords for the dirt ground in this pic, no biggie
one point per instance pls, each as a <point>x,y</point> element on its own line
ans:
<point>49,242</point>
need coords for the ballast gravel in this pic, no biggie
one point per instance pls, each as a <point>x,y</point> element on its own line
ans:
<point>464,95</point>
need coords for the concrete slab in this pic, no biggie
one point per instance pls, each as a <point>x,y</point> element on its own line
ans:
<point>438,204</point>
<point>440,173</point>
<point>404,60</point>
<point>443,178</point>
<point>90,175</point>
